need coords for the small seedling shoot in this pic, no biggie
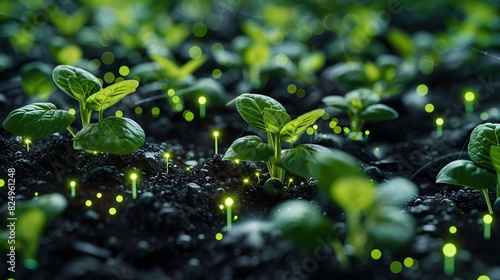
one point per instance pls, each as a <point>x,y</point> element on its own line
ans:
<point>216,148</point>
<point>27,142</point>
<point>469,102</point>
<point>487,220</point>
<point>202,100</point>
<point>133,177</point>
<point>257,174</point>
<point>439,127</point>
<point>449,252</point>
<point>167,158</point>
<point>229,203</point>
<point>72,186</point>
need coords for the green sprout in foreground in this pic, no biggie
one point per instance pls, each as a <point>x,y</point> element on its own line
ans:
<point>113,134</point>
<point>361,106</point>
<point>133,177</point>
<point>229,204</point>
<point>449,252</point>
<point>268,115</point>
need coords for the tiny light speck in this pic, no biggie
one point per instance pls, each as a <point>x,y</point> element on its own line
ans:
<point>133,176</point>
<point>119,198</point>
<point>229,201</point>
<point>219,236</point>
<point>2,183</point>
<point>98,195</point>
<point>112,211</point>
<point>453,229</point>
<point>88,203</point>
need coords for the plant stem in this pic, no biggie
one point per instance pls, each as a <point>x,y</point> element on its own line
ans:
<point>498,185</point>
<point>101,113</point>
<point>340,253</point>
<point>487,198</point>
<point>85,115</point>
<point>71,131</point>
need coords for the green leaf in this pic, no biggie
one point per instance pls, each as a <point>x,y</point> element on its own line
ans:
<point>76,82</point>
<point>249,148</point>
<point>189,67</point>
<point>389,228</point>
<point>353,194</point>
<point>495,158</point>
<point>312,62</point>
<point>302,160</point>
<point>301,223</point>
<point>359,99</point>
<point>466,173</point>
<point>37,80</point>
<point>37,120</point>
<point>481,139</point>
<point>336,102</point>
<point>378,112</point>
<point>112,135</point>
<point>257,55</point>
<point>275,120</point>
<point>110,95</point>
<point>347,73</point>
<point>295,128</point>
<point>329,167</point>
<point>251,108</point>
<point>395,192</point>
<point>170,67</point>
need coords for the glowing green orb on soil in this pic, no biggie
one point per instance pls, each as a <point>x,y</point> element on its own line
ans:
<point>487,220</point>
<point>27,142</point>
<point>72,185</point>
<point>257,174</point>
<point>219,236</point>
<point>449,252</point>
<point>216,135</point>
<point>202,100</point>
<point>229,203</point>
<point>133,177</point>
<point>98,195</point>
<point>439,127</point>
<point>469,102</point>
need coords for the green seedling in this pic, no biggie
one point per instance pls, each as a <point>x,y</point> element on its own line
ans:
<point>216,146</point>
<point>133,177</point>
<point>113,135</point>
<point>373,215</point>
<point>361,106</point>
<point>482,173</point>
<point>487,220</point>
<point>72,186</point>
<point>449,252</point>
<point>31,219</point>
<point>268,115</point>
<point>229,204</point>
<point>439,127</point>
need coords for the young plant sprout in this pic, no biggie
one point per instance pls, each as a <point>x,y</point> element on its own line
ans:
<point>268,115</point>
<point>116,135</point>
<point>439,127</point>
<point>482,173</point>
<point>469,102</point>
<point>361,106</point>
<point>133,177</point>
<point>487,220</point>
<point>229,203</point>
<point>449,252</point>
<point>257,174</point>
<point>167,157</point>
<point>202,100</point>
<point>72,185</point>
<point>27,142</point>
<point>216,135</point>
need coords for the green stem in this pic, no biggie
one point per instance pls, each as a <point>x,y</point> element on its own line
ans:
<point>340,253</point>
<point>487,198</point>
<point>85,115</point>
<point>101,114</point>
<point>498,185</point>
<point>71,131</point>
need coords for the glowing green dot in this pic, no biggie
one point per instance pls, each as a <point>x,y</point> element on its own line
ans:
<point>94,64</point>
<point>107,58</point>
<point>221,207</point>
<point>138,110</point>
<point>429,108</point>
<point>119,113</point>
<point>453,229</point>
<point>119,198</point>
<point>178,107</point>
<point>246,181</point>
<point>2,183</point>
<point>112,211</point>
<point>367,132</point>
<point>202,100</point>
<point>449,250</point>
<point>469,96</point>
<point>291,88</point>
<point>199,29</point>
<point>124,70</point>
<point>216,133</point>
<point>176,99</point>
<point>72,184</point>
<point>325,116</point>
<point>216,73</point>
<point>376,254</point>
<point>346,130</point>
<point>98,195</point>
<point>422,90</point>
<point>133,176</point>
<point>426,65</point>
<point>484,116</point>
<point>155,111</point>
<point>408,262</point>
<point>439,121</point>
<point>36,193</point>
<point>487,219</point>
<point>109,77</point>
<point>119,79</point>
<point>235,218</point>
<point>30,264</point>
<point>70,54</point>
<point>229,201</point>
<point>376,150</point>
<point>483,277</point>
<point>195,52</point>
<point>88,203</point>
<point>310,131</point>
<point>171,92</point>
<point>301,93</point>
<point>188,116</point>
<point>337,130</point>
<point>396,267</point>
<point>219,236</point>
<point>72,111</point>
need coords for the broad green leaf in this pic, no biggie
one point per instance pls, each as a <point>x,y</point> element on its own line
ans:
<point>147,72</point>
<point>112,135</point>
<point>37,80</point>
<point>76,82</point>
<point>481,139</point>
<point>110,95</point>
<point>401,42</point>
<point>495,158</point>
<point>329,167</point>
<point>359,99</point>
<point>378,112</point>
<point>301,223</point>
<point>253,30</point>
<point>295,128</point>
<point>275,120</point>
<point>347,73</point>
<point>395,192</point>
<point>303,159</point>
<point>251,108</point>
<point>336,102</point>
<point>389,228</point>
<point>353,194</point>
<point>37,120</point>
<point>249,148</point>
<point>169,66</point>
<point>257,55</point>
<point>372,73</point>
<point>466,173</point>
<point>312,62</point>
<point>189,67</point>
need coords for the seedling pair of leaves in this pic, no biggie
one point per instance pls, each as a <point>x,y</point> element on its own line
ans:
<point>373,215</point>
<point>483,172</point>
<point>111,135</point>
<point>387,75</point>
<point>268,115</point>
<point>361,106</point>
